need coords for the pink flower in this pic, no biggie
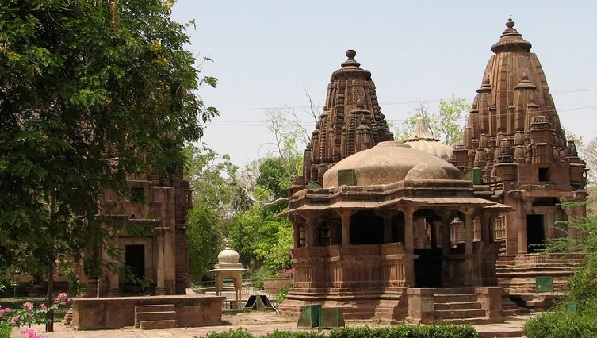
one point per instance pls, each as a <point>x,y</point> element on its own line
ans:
<point>43,306</point>
<point>7,310</point>
<point>30,333</point>
<point>14,320</point>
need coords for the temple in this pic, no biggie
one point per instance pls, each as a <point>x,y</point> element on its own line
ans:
<point>414,230</point>
<point>351,120</point>
<point>394,232</point>
<point>148,228</point>
<point>515,150</point>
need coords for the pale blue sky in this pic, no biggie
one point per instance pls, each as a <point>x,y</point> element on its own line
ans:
<point>265,52</point>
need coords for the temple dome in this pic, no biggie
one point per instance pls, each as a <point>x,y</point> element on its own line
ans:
<point>422,139</point>
<point>426,171</point>
<point>228,256</point>
<point>390,162</point>
<point>228,260</point>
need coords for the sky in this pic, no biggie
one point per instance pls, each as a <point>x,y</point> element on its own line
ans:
<point>267,53</point>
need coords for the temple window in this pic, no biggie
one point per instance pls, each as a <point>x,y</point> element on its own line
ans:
<point>543,174</point>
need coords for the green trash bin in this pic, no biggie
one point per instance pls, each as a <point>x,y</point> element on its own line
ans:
<point>309,317</point>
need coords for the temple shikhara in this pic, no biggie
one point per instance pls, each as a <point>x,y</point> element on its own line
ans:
<point>351,120</point>
<point>415,230</point>
<point>516,152</point>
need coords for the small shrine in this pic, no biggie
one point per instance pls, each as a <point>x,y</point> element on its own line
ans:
<point>229,266</point>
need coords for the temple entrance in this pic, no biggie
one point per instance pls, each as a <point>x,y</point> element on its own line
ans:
<point>134,263</point>
<point>428,268</point>
<point>535,233</point>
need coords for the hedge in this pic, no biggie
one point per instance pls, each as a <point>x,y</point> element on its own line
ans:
<point>396,331</point>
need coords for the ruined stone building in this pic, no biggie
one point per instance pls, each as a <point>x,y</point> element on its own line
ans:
<point>148,227</point>
<point>516,152</point>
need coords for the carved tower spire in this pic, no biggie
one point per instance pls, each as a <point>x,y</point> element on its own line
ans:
<point>351,120</point>
<point>513,104</point>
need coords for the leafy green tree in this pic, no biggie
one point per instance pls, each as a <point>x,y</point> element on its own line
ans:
<point>216,197</point>
<point>259,234</point>
<point>89,91</point>
<point>445,124</point>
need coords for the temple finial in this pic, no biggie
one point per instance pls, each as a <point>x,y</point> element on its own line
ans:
<point>350,54</point>
<point>510,23</point>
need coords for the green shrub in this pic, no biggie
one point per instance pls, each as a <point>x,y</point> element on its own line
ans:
<point>396,331</point>
<point>5,331</point>
<point>562,323</point>
<point>238,333</point>
<point>302,334</point>
<point>408,331</point>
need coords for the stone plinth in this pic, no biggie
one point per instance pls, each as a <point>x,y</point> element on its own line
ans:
<point>113,313</point>
<point>421,305</point>
<point>491,301</point>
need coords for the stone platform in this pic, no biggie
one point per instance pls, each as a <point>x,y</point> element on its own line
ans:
<point>114,313</point>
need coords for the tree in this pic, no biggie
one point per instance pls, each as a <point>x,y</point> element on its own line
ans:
<point>588,152</point>
<point>89,91</point>
<point>259,234</point>
<point>444,124</point>
<point>216,198</point>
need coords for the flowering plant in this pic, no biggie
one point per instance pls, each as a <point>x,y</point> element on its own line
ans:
<point>27,315</point>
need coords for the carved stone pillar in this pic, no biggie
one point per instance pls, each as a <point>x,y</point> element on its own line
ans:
<point>522,227</point>
<point>345,215</point>
<point>296,233</point>
<point>160,288</point>
<point>309,231</point>
<point>409,248</point>
<point>468,246</point>
<point>114,289</point>
<point>446,245</point>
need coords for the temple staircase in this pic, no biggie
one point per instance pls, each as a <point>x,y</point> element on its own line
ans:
<point>151,317</point>
<point>458,306</point>
<point>517,273</point>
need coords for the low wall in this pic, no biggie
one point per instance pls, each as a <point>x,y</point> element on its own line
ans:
<point>272,286</point>
<point>113,313</point>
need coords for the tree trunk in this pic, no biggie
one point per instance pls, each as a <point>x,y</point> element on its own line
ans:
<point>50,313</point>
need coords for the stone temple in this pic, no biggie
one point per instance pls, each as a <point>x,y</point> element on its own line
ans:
<point>152,223</point>
<point>515,150</point>
<point>389,221</point>
<point>407,230</point>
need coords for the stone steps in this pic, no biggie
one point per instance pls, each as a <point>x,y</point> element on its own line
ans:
<point>458,306</point>
<point>151,317</point>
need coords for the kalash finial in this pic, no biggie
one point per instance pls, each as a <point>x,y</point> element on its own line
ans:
<point>510,23</point>
<point>350,54</point>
